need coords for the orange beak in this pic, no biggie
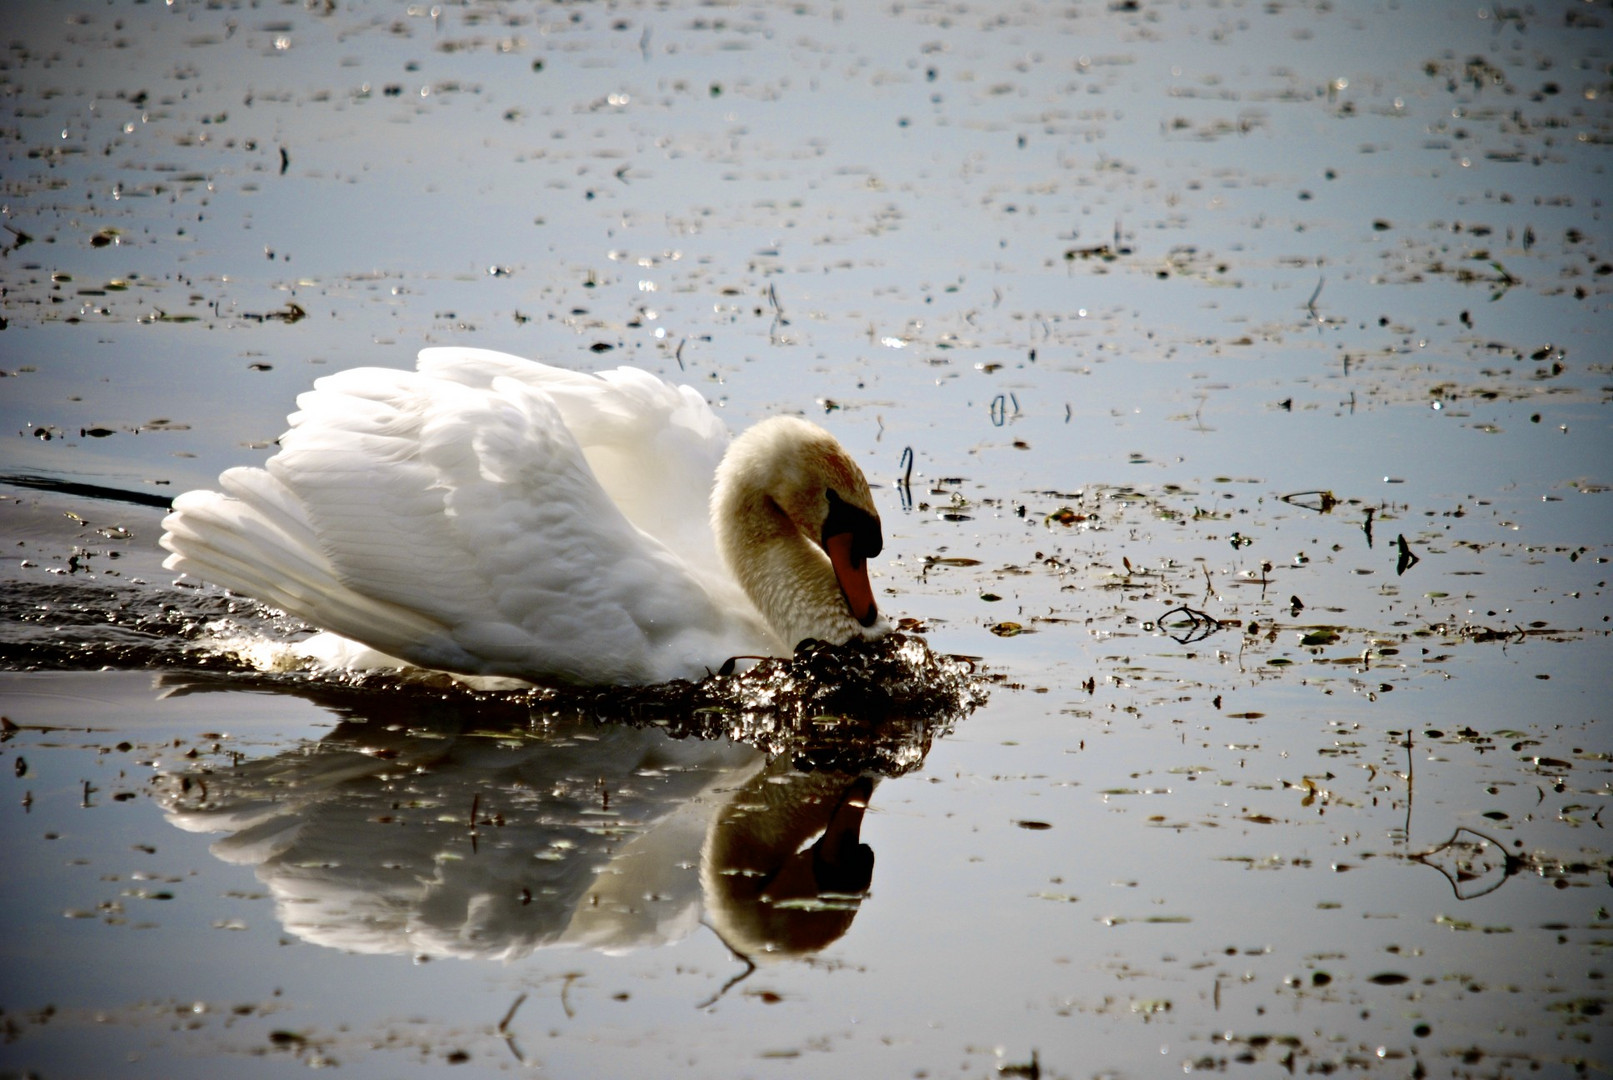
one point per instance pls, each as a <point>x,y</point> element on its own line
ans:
<point>851,572</point>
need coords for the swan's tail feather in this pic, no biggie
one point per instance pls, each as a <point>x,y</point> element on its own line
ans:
<point>255,541</point>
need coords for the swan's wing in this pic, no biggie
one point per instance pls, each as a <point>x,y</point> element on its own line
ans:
<point>654,447</point>
<point>457,527</point>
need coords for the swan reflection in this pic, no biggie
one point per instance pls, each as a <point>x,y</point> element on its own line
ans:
<point>489,828</point>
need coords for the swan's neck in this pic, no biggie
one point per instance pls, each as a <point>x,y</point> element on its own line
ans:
<point>786,576</point>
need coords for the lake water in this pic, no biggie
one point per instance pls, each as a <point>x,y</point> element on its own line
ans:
<point>1255,363</point>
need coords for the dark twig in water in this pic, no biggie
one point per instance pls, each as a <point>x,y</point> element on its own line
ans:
<point>504,1028</point>
<point>1323,502</point>
<point>1310,305</point>
<point>22,238</point>
<point>1411,780</point>
<point>88,491</point>
<point>731,665</point>
<point>750,967</point>
<point>779,319</point>
<point>904,486</point>
<point>1004,407</point>
<point>1463,874</point>
<point>504,1024</point>
<point>1408,558</point>
<point>1200,624</point>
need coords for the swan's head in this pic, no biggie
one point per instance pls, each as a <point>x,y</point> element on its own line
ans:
<point>786,470</point>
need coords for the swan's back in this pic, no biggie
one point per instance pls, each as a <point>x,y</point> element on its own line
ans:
<point>654,447</point>
<point>453,517</point>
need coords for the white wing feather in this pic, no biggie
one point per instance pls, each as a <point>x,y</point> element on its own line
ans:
<point>454,518</point>
<point>652,446</point>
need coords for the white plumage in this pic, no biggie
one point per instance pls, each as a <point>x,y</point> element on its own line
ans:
<point>491,515</point>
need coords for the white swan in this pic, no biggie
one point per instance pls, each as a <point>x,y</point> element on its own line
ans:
<point>489,515</point>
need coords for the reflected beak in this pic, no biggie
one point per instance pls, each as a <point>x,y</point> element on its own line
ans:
<point>851,571</point>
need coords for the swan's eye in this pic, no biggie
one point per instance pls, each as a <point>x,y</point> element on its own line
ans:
<point>866,538</point>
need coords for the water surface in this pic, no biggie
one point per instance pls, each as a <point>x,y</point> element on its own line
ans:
<point>1254,364</point>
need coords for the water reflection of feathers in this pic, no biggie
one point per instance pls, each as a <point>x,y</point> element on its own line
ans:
<point>436,834</point>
